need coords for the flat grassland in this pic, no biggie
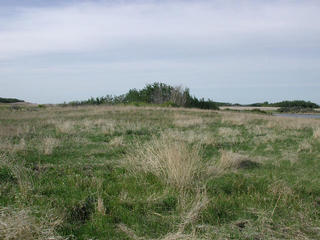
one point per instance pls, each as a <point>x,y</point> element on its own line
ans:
<point>120,172</point>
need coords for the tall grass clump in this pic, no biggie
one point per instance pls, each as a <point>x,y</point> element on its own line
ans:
<point>176,162</point>
<point>232,160</point>
<point>20,224</point>
<point>316,132</point>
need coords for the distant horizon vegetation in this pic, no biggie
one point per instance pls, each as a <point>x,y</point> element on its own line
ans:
<point>173,96</point>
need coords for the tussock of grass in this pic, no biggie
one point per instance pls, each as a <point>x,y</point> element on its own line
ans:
<point>182,120</point>
<point>228,132</point>
<point>20,224</point>
<point>63,126</point>
<point>176,163</point>
<point>305,146</point>
<point>48,144</point>
<point>232,160</point>
<point>100,206</point>
<point>5,145</point>
<point>316,132</point>
<point>191,136</point>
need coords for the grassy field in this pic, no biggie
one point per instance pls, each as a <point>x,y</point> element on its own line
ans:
<point>157,173</point>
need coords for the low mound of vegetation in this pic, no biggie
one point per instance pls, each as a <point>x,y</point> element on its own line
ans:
<point>157,94</point>
<point>288,104</point>
<point>296,110</point>
<point>10,100</point>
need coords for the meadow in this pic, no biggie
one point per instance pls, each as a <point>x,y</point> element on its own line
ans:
<point>125,172</point>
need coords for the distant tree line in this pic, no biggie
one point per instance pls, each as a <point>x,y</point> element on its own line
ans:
<point>10,100</point>
<point>155,93</point>
<point>166,95</point>
<point>288,104</point>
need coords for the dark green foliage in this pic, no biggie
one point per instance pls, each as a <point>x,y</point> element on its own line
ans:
<point>82,211</point>
<point>287,104</point>
<point>256,110</point>
<point>108,99</point>
<point>194,102</point>
<point>296,103</point>
<point>295,109</point>
<point>155,93</point>
<point>10,100</point>
<point>6,175</point>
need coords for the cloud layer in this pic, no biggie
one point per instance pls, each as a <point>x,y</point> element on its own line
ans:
<point>217,42</point>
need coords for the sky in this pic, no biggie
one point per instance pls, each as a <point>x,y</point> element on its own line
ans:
<point>238,51</point>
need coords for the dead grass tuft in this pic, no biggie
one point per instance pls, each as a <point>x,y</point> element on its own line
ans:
<point>100,206</point>
<point>175,162</point>
<point>48,144</point>
<point>280,188</point>
<point>232,160</point>
<point>292,123</point>
<point>228,132</point>
<point>230,135</point>
<point>181,120</point>
<point>316,132</point>
<point>6,145</point>
<point>63,126</point>
<point>238,118</point>
<point>291,156</point>
<point>20,224</point>
<point>305,146</point>
<point>191,136</point>
<point>117,141</point>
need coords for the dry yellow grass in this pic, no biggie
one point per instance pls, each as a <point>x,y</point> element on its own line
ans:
<point>316,132</point>
<point>305,146</point>
<point>291,156</point>
<point>281,122</point>
<point>48,144</point>
<point>237,118</point>
<point>228,132</point>
<point>10,131</point>
<point>100,206</point>
<point>292,123</point>
<point>117,141</point>
<point>174,162</point>
<point>280,188</point>
<point>191,136</point>
<point>183,120</point>
<point>232,160</point>
<point>6,145</point>
<point>63,126</point>
<point>20,224</point>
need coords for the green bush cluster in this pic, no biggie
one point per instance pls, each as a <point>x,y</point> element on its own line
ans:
<point>10,100</point>
<point>155,93</point>
<point>287,104</point>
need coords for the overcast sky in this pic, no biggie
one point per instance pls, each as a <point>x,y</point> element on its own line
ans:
<point>227,50</point>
